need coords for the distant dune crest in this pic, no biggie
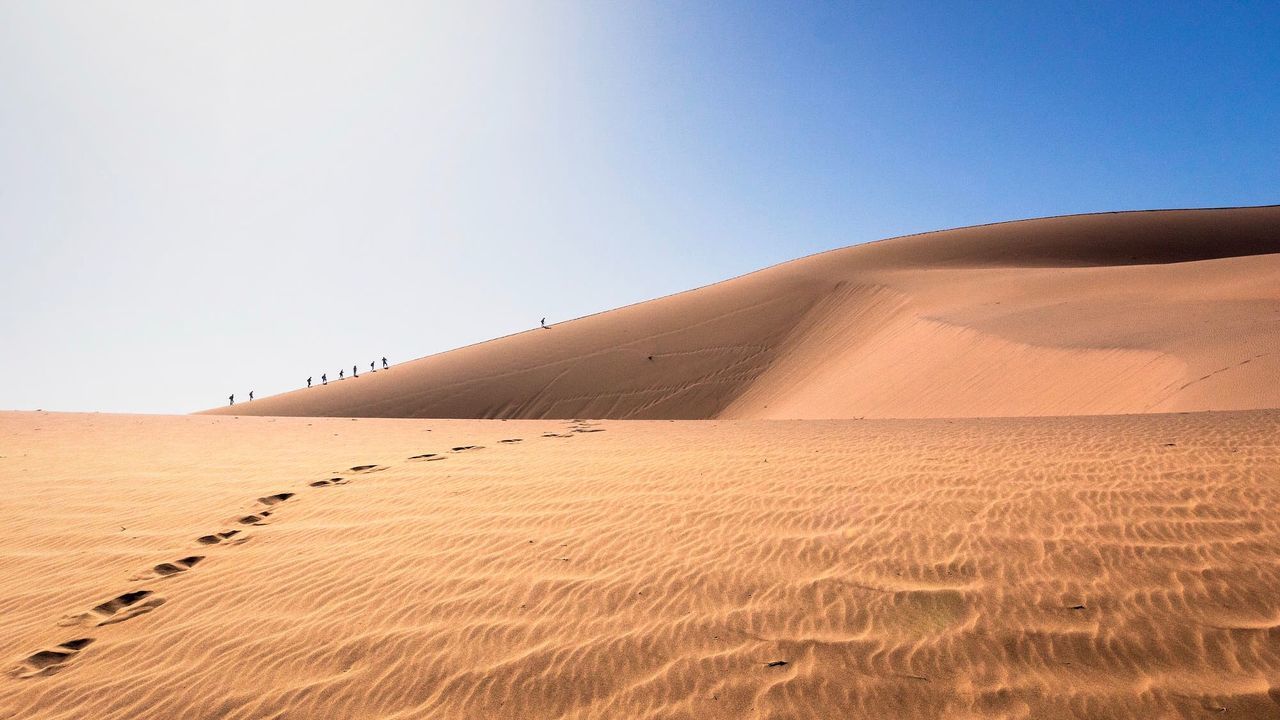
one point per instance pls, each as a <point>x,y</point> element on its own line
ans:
<point>1136,312</point>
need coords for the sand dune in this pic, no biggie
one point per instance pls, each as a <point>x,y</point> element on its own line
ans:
<point>1112,557</point>
<point>1112,313</point>
<point>213,567</point>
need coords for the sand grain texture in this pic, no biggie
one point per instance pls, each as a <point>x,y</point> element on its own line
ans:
<point>1052,567</point>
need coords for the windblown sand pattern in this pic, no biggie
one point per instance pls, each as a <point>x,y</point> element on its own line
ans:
<point>1029,524</point>
<point>1104,567</point>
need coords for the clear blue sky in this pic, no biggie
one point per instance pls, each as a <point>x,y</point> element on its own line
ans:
<point>205,198</point>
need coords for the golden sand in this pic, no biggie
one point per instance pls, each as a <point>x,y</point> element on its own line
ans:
<point>1050,567</point>
<point>944,476</point>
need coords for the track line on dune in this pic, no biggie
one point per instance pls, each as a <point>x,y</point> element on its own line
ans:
<point>462,386</point>
<point>141,600</point>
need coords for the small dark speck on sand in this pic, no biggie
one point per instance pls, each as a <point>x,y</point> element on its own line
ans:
<point>776,663</point>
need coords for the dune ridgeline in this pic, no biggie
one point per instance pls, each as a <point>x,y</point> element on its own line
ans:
<point>1135,312</point>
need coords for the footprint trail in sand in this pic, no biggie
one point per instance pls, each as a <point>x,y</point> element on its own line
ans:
<point>133,603</point>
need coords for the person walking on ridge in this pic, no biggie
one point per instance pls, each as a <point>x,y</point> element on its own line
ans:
<point>354,373</point>
<point>232,398</point>
<point>250,396</point>
<point>308,382</point>
<point>384,363</point>
<point>340,377</point>
<point>544,324</point>
<point>324,379</point>
<point>372,368</point>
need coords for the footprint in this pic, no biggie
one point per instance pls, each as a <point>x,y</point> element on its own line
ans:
<point>277,498</point>
<point>512,440</point>
<point>118,609</point>
<point>367,468</point>
<point>173,568</point>
<point>464,448</point>
<point>183,565</point>
<point>49,661</point>
<point>255,519</point>
<point>428,457</point>
<point>126,606</point>
<point>120,602</point>
<point>330,482</point>
<point>216,538</point>
<point>170,568</point>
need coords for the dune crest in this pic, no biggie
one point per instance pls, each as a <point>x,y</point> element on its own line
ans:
<point>1110,313</point>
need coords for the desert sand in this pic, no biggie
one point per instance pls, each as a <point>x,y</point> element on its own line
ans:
<point>1025,470</point>
<point>1054,567</point>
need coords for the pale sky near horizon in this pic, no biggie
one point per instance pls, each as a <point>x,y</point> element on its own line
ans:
<point>205,198</point>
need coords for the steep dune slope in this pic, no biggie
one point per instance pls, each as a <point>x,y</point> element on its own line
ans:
<point>1111,313</point>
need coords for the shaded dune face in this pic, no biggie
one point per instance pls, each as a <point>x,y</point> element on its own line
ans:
<point>1092,314</point>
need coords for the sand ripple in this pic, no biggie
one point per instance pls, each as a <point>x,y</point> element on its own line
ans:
<point>1072,567</point>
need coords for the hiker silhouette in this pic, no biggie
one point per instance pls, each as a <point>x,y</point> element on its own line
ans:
<point>308,382</point>
<point>384,364</point>
<point>340,377</point>
<point>353,372</point>
<point>232,398</point>
<point>372,368</point>
<point>250,396</point>
<point>544,324</point>
<point>324,379</point>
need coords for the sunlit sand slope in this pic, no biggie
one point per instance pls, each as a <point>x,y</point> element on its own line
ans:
<point>1090,314</point>
<point>218,567</point>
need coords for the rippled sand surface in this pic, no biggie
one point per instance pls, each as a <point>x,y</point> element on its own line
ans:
<point>220,567</point>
